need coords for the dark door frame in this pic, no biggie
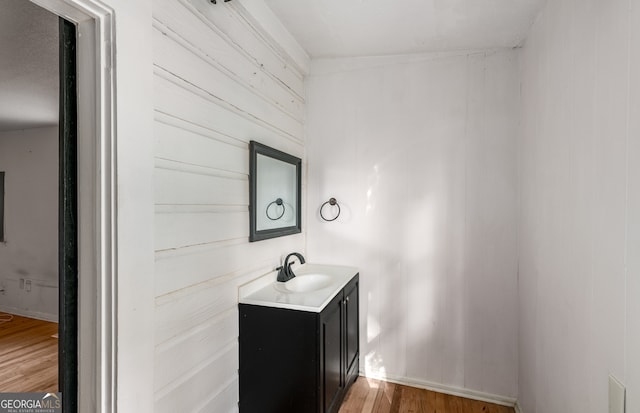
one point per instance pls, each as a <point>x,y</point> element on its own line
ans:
<point>68,221</point>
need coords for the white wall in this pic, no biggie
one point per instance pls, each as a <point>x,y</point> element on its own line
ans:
<point>219,82</point>
<point>29,253</point>
<point>134,341</point>
<point>579,219</point>
<point>420,152</point>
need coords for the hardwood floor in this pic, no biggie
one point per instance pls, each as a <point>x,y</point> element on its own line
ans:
<point>374,396</point>
<point>28,355</point>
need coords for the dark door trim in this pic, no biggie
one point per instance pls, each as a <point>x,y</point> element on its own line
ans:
<point>68,221</point>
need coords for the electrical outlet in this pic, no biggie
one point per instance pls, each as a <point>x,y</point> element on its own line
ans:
<point>27,285</point>
<point>616,396</point>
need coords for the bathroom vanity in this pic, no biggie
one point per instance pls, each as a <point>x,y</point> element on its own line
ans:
<point>299,342</point>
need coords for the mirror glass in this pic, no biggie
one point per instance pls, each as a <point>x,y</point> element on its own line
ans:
<point>274,198</point>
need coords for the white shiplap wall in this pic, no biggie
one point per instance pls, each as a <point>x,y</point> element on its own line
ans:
<point>220,81</point>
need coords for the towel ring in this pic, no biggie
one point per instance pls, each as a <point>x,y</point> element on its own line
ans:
<point>277,202</point>
<point>331,201</point>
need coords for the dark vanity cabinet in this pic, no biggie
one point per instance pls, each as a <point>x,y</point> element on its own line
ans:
<point>299,361</point>
<point>338,331</point>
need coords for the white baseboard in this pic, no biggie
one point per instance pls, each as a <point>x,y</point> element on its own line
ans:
<point>30,314</point>
<point>518,408</point>
<point>452,390</point>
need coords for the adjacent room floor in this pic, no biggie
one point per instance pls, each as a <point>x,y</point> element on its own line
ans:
<point>374,396</point>
<point>28,355</point>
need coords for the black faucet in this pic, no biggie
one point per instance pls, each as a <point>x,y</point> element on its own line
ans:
<point>285,273</point>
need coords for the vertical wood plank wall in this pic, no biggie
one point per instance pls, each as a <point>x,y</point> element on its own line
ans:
<point>219,82</point>
<point>428,214</point>
<point>579,217</point>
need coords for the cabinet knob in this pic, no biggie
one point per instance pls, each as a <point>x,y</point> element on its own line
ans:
<point>347,299</point>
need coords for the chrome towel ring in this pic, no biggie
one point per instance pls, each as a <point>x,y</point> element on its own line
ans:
<point>332,202</point>
<point>277,202</point>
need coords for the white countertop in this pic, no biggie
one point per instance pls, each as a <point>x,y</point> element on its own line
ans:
<point>267,291</point>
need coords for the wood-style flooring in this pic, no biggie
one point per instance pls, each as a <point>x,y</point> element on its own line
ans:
<point>28,355</point>
<point>374,396</point>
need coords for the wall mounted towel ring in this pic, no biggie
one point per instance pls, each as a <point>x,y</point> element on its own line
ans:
<point>331,201</point>
<point>277,202</point>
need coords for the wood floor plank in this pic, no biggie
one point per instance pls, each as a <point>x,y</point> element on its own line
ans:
<point>472,406</point>
<point>28,355</point>
<point>411,400</point>
<point>357,396</point>
<point>430,401</point>
<point>440,403</point>
<point>454,404</point>
<point>384,398</point>
<point>395,398</point>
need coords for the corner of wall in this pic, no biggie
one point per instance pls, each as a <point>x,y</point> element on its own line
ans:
<point>263,17</point>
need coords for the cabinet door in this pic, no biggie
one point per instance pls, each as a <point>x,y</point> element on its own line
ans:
<point>278,360</point>
<point>351,317</point>
<point>331,373</point>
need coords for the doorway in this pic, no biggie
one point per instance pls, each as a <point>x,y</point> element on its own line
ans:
<point>29,116</point>
<point>95,214</point>
<point>39,225</point>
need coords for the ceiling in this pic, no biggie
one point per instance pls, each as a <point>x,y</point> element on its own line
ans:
<point>330,28</point>
<point>28,66</point>
<point>340,28</point>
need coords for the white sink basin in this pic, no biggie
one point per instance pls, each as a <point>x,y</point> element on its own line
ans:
<point>305,283</point>
<point>313,287</point>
